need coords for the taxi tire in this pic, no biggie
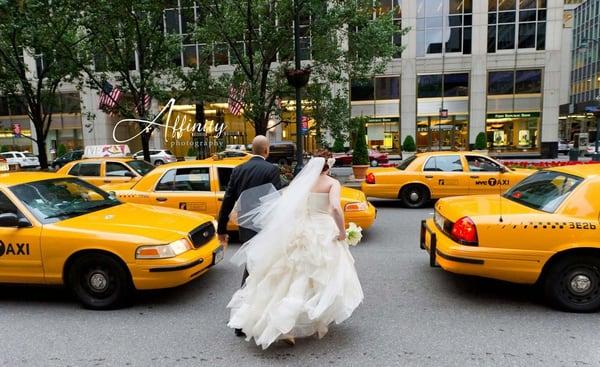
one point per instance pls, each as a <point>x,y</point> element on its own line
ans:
<point>119,286</point>
<point>562,271</point>
<point>421,191</point>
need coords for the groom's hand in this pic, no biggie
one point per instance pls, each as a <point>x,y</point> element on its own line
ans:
<point>224,239</point>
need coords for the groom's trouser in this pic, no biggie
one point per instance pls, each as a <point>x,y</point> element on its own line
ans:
<point>245,235</point>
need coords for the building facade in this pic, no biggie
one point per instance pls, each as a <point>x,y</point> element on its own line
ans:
<point>469,67</point>
<point>497,67</point>
<point>585,73</point>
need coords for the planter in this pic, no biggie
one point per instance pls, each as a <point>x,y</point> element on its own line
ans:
<point>360,171</point>
<point>297,78</point>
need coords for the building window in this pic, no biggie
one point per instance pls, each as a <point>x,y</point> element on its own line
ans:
<point>362,90</point>
<point>444,26</point>
<point>516,23</point>
<point>452,85</point>
<point>387,88</point>
<point>515,81</point>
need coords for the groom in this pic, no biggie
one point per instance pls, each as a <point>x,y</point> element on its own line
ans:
<point>257,171</point>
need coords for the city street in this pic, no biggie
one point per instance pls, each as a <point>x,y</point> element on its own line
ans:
<point>412,315</point>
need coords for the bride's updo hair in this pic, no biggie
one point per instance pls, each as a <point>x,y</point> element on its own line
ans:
<point>326,154</point>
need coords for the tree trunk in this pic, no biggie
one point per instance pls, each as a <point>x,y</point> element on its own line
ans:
<point>42,155</point>
<point>260,126</point>
<point>145,137</point>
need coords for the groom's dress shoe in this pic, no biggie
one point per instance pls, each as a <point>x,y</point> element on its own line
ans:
<point>240,333</point>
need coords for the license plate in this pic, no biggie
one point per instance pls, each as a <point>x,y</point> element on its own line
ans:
<point>218,255</point>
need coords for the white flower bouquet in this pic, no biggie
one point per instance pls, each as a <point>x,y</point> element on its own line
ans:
<point>353,234</point>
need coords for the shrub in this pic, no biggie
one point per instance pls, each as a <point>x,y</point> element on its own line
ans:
<point>4,149</point>
<point>62,150</point>
<point>338,146</point>
<point>360,155</point>
<point>192,152</point>
<point>481,141</point>
<point>409,144</point>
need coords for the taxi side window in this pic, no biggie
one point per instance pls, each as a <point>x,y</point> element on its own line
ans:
<point>224,176</point>
<point>444,163</point>
<point>185,179</point>
<point>85,169</point>
<point>482,164</point>
<point>116,169</point>
<point>6,206</point>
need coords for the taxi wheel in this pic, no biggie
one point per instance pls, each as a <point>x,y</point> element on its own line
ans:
<point>573,283</point>
<point>99,281</point>
<point>414,196</point>
<point>374,163</point>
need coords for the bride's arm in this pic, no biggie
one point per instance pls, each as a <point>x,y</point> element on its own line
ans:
<point>336,209</point>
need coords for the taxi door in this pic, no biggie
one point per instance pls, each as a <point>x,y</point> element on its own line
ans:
<point>186,188</point>
<point>116,172</point>
<point>20,253</point>
<point>484,176</point>
<point>445,175</point>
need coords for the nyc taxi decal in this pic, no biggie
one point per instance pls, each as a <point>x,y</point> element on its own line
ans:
<point>447,182</point>
<point>192,206</point>
<point>492,182</point>
<point>16,249</point>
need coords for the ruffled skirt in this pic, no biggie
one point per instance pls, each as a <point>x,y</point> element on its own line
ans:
<point>300,293</point>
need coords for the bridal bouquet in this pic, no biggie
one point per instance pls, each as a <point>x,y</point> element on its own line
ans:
<point>353,234</point>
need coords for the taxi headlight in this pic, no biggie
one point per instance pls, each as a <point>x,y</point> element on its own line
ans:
<point>356,206</point>
<point>163,251</point>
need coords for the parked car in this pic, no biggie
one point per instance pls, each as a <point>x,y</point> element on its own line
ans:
<point>241,147</point>
<point>591,149</point>
<point>283,152</point>
<point>563,146</point>
<point>23,160</point>
<point>375,158</point>
<point>157,156</point>
<point>66,158</point>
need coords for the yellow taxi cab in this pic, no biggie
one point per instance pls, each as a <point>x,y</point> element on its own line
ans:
<point>542,231</point>
<point>60,230</point>
<point>435,175</point>
<point>200,186</point>
<point>102,171</point>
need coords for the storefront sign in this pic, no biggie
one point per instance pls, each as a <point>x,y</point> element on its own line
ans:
<point>513,115</point>
<point>374,120</point>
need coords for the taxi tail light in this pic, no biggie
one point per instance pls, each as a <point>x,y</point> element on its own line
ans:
<point>370,179</point>
<point>465,231</point>
<point>355,207</point>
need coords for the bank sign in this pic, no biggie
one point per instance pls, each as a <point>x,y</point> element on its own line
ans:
<point>513,115</point>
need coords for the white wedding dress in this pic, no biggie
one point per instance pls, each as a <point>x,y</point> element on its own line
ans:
<point>308,283</point>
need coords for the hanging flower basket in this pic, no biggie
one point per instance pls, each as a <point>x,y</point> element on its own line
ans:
<point>297,78</point>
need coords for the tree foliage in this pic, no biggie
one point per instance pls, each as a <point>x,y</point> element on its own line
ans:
<point>34,29</point>
<point>259,37</point>
<point>408,145</point>
<point>360,154</point>
<point>481,141</point>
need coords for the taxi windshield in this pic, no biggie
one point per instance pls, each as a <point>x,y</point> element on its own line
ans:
<point>544,190</point>
<point>141,167</point>
<point>58,199</point>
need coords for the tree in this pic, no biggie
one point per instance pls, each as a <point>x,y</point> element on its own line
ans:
<point>360,154</point>
<point>259,37</point>
<point>125,41</point>
<point>34,29</point>
<point>329,110</point>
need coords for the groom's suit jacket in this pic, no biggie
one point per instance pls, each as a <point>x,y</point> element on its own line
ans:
<point>253,173</point>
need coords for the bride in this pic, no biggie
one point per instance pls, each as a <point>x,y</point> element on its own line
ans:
<point>302,276</point>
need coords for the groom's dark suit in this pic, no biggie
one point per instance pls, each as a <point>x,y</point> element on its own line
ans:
<point>253,173</point>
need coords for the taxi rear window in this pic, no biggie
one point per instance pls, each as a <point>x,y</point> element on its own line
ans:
<point>544,190</point>
<point>405,163</point>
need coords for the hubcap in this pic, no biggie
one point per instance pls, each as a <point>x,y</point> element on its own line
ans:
<point>98,282</point>
<point>580,284</point>
<point>414,196</point>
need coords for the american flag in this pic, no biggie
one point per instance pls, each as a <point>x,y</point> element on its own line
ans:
<point>147,100</point>
<point>109,96</point>
<point>234,103</point>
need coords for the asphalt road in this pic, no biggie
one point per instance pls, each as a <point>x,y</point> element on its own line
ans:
<point>413,315</point>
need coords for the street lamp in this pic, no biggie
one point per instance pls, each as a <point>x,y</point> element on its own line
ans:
<point>585,45</point>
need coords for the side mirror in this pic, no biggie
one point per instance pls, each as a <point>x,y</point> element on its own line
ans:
<point>12,220</point>
<point>503,169</point>
<point>129,174</point>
